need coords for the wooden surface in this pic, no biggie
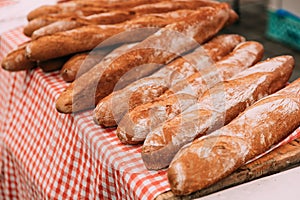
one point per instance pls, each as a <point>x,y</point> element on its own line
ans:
<point>282,158</point>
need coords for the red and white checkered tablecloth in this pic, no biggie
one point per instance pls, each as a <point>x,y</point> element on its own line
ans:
<point>47,155</point>
<point>55,156</point>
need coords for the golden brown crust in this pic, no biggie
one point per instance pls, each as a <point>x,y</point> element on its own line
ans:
<point>167,6</point>
<point>84,8</point>
<point>69,42</point>
<point>43,21</point>
<point>217,107</point>
<point>52,65</point>
<point>86,85</point>
<point>42,10</point>
<point>65,24</point>
<point>73,41</point>
<point>81,63</point>
<point>71,67</point>
<point>56,26</point>
<point>211,158</point>
<point>17,61</point>
<point>160,48</point>
<point>88,37</point>
<point>112,17</point>
<point>149,88</point>
<point>136,124</point>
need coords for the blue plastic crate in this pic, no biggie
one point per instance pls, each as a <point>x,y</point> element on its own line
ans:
<point>284,27</point>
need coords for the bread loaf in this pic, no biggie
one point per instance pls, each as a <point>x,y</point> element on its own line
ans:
<point>52,65</point>
<point>17,61</point>
<point>139,6</point>
<point>136,124</point>
<point>40,22</point>
<point>213,157</point>
<point>160,48</point>
<point>87,83</point>
<point>111,109</point>
<point>115,16</point>
<point>79,9</point>
<point>65,24</point>
<point>217,107</point>
<point>88,37</point>
<point>81,63</point>
<point>85,8</point>
<point>167,6</point>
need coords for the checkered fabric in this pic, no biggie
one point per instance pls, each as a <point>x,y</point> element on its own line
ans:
<point>47,155</point>
<point>55,156</point>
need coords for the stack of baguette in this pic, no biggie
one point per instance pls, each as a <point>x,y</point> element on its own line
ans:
<point>201,104</point>
<point>60,32</point>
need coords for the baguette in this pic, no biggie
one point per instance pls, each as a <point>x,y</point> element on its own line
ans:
<point>84,8</point>
<point>40,22</point>
<point>17,61</point>
<point>52,65</point>
<point>135,125</point>
<point>115,16</point>
<point>70,69</point>
<point>111,109</point>
<point>167,6</point>
<point>213,157</point>
<point>83,62</point>
<point>160,48</point>
<point>69,23</point>
<point>86,84</point>
<point>216,108</point>
<point>88,37</point>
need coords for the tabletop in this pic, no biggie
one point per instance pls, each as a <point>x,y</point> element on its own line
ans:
<point>47,155</point>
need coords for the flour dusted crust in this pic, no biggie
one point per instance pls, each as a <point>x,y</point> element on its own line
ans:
<point>79,8</point>
<point>88,37</point>
<point>159,48</point>
<point>86,85</point>
<point>68,23</point>
<point>111,17</point>
<point>137,6</point>
<point>16,60</point>
<point>81,63</point>
<point>136,124</point>
<point>53,27</point>
<point>149,88</point>
<point>217,107</point>
<point>213,157</point>
<point>52,65</point>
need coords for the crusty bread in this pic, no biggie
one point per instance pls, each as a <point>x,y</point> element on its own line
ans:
<point>160,48</point>
<point>17,61</point>
<point>213,157</point>
<point>85,8</point>
<point>111,109</point>
<point>43,21</point>
<point>65,24</point>
<point>217,107</point>
<point>167,6</point>
<point>81,63</point>
<point>88,37</point>
<point>52,65</point>
<point>138,6</point>
<point>42,27</point>
<point>86,84</point>
<point>136,124</point>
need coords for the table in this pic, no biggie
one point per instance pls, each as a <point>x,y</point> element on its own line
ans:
<point>55,156</point>
<point>47,155</point>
